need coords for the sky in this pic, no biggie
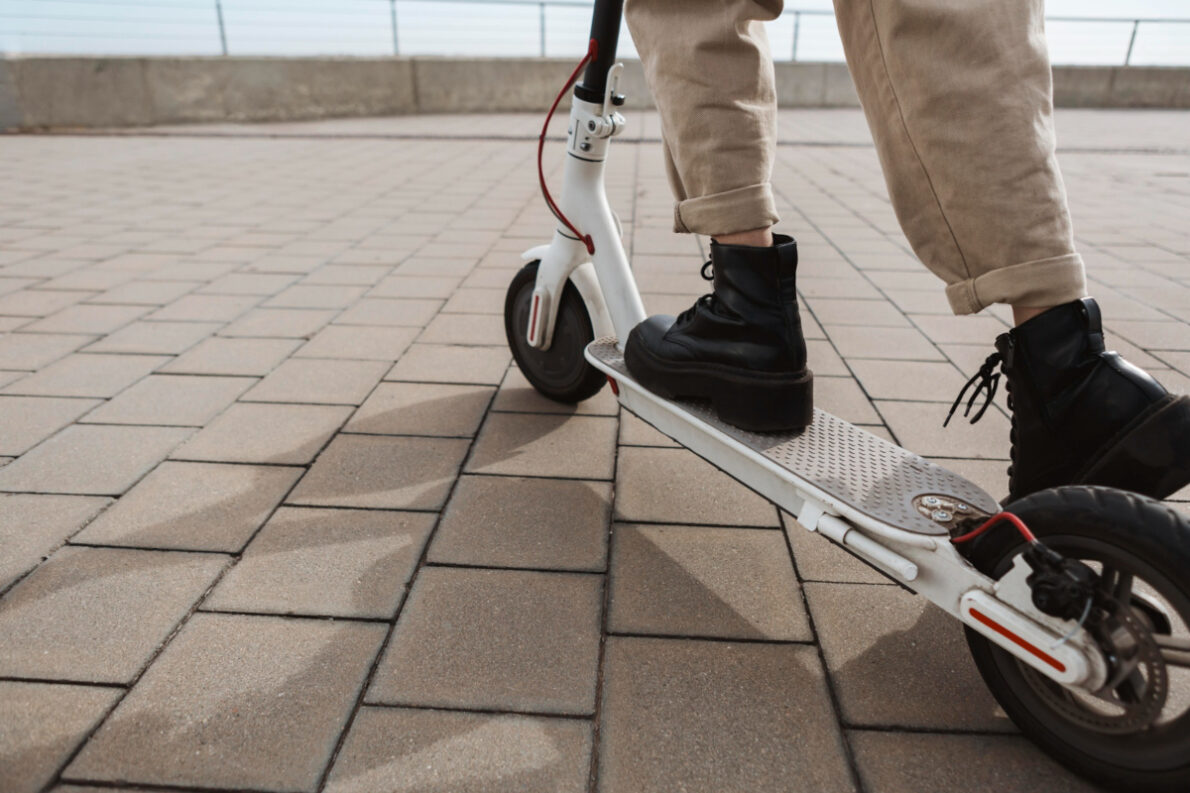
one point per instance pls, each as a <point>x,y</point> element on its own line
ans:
<point>494,27</point>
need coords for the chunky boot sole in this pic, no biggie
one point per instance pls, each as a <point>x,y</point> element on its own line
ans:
<point>1151,456</point>
<point>753,401</point>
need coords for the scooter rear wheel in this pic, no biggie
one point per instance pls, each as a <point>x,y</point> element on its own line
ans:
<point>561,372</point>
<point>1132,739</point>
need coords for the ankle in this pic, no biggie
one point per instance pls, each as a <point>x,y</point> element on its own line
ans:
<point>756,238</point>
<point>1022,314</point>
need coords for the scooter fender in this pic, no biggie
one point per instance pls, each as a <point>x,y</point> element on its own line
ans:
<point>561,260</point>
<point>536,252</point>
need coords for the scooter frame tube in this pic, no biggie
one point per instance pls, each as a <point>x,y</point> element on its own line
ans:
<point>609,290</point>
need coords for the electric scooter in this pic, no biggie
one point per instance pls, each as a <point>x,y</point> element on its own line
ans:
<point>1075,600</point>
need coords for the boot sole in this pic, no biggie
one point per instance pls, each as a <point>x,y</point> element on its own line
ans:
<point>753,401</point>
<point>1151,456</point>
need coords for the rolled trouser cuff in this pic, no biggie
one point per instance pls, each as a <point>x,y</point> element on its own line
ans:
<point>1044,282</point>
<point>729,212</point>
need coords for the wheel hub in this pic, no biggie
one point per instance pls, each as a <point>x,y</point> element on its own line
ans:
<point>1137,682</point>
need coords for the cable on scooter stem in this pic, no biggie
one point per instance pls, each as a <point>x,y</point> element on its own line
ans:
<point>592,51</point>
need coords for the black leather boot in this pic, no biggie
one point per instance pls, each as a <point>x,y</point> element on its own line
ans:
<point>740,347</point>
<point>1081,415</point>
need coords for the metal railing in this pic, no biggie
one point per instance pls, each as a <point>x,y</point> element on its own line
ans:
<point>797,25</point>
<point>400,27</point>
<point>1134,22</point>
<point>541,6</point>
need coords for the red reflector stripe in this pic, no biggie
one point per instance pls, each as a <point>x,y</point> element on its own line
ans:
<point>1012,637</point>
<point>615,386</point>
<point>533,319</point>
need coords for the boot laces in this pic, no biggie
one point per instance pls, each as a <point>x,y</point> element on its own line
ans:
<point>987,379</point>
<point>708,274</point>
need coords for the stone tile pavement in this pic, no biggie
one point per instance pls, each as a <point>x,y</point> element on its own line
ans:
<point>277,512</point>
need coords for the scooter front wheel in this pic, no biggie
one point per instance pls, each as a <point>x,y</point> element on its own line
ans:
<point>561,372</point>
<point>1134,733</point>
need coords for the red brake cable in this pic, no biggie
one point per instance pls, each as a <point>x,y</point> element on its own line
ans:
<point>592,49</point>
<point>992,521</point>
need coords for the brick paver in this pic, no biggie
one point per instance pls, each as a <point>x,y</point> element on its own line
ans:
<point>434,409</point>
<point>675,486</point>
<point>236,702</point>
<point>266,433</point>
<point>439,363</point>
<point>330,562</point>
<point>939,763</point>
<point>728,583</point>
<point>406,751</point>
<point>43,724</point>
<point>169,401</point>
<point>193,506</point>
<point>699,715</point>
<point>91,458</point>
<point>538,523</point>
<point>277,512</point>
<point>388,472</point>
<point>512,640</point>
<point>56,518</point>
<point>217,355</point>
<point>27,421</point>
<point>98,614</point>
<point>541,444</point>
<point>87,375</point>
<point>319,382</point>
<point>897,660</point>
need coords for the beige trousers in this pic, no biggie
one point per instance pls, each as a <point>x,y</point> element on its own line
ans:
<point>958,95</point>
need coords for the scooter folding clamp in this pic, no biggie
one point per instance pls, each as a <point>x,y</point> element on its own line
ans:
<point>605,126</point>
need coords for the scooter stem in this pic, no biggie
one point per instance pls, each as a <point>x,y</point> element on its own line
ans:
<point>605,32</point>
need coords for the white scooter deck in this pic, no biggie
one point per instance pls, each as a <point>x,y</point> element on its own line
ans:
<point>846,470</point>
<point>891,507</point>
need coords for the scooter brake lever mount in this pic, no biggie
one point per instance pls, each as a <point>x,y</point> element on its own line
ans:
<point>610,97</point>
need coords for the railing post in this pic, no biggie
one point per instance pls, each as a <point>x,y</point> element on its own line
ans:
<point>1131,42</point>
<point>541,26</point>
<point>222,29</point>
<point>392,8</point>
<point>797,24</point>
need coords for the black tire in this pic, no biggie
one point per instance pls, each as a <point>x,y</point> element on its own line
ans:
<point>561,372</point>
<point>1130,534</point>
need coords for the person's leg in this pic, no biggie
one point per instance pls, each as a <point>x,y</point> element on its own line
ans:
<point>958,94</point>
<point>708,65</point>
<point>958,97</point>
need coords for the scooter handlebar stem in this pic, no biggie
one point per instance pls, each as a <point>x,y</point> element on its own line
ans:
<point>605,31</point>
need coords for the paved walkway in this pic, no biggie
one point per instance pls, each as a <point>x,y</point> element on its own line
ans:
<point>281,516</point>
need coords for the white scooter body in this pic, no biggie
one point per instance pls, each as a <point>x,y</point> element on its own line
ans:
<point>889,507</point>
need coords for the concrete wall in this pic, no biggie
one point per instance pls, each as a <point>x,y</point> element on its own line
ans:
<point>97,92</point>
<point>58,92</point>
